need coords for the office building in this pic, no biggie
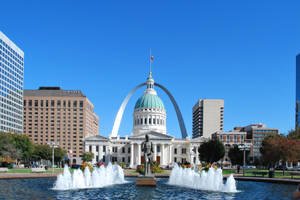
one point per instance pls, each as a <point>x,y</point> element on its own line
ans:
<point>61,116</point>
<point>208,117</point>
<point>229,139</point>
<point>11,86</point>
<point>297,124</point>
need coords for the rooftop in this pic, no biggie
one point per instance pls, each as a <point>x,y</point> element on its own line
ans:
<point>53,92</point>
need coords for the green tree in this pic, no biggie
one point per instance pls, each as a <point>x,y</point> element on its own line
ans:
<point>42,152</point>
<point>87,156</point>
<point>59,154</point>
<point>211,151</point>
<point>237,156</point>
<point>24,145</point>
<point>7,147</point>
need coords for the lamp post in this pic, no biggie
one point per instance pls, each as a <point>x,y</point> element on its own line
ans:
<point>53,145</point>
<point>244,147</point>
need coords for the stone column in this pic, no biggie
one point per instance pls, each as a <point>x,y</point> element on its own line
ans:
<point>162,150</point>
<point>100,152</point>
<point>170,154</point>
<point>155,152</point>
<point>131,155</point>
<point>197,156</point>
<point>139,154</point>
<point>95,153</point>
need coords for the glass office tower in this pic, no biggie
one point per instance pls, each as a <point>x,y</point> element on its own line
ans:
<point>11,86</point>
<point>297,90</point>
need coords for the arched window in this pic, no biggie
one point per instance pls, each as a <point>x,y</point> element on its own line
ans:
<point>150,122</point>
<point>141,120</point>
<point>145,120</point>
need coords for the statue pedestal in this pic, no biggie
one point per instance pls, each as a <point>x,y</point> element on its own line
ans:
<point>146,181</point>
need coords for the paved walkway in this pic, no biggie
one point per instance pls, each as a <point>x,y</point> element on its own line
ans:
<point>26,175</point>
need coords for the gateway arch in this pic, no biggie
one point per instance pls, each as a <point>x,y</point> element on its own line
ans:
<point>119,116</point>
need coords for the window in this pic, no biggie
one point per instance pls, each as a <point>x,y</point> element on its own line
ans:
<point>42,103</point>
<point>123,149</point>
<point>74,103</point>
<point>24,102</point>
<point>30,103</point>
<point>103,158</point>
<point>115,149</point>
<point>104,148</point>
<point>97,158</point>
<point>52,103</point>
<point>90,148</point>
<point>175,151</point>
<point>81,104</point>
<point>175,159</point>
<point>183,150</point>
<point>97,148</point>
<point>145,120</point>
<point>128,149</point>
<point>69,103</point>
<point>123,159</point>
<point>158,148</point>
<point>47,103</point>
<point>58,102</point>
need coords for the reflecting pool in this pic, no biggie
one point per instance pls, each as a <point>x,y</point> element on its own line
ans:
<point>40,188</point>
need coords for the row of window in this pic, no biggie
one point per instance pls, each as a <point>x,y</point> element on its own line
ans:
<point>53,103</point>
<point>150,121</point>
<point>11,51</point>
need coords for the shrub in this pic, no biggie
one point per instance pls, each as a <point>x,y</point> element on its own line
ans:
<point>85,164</point>
<point>123,165</point>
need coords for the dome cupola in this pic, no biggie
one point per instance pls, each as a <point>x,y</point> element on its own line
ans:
<point>149,111</point>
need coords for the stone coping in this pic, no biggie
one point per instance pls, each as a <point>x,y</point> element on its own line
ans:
<point>242,178</point>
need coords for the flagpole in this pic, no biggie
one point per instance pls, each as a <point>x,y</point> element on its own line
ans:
<point>150,63</point>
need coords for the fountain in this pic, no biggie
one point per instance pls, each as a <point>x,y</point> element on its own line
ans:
<point>100,177</point>
<point>211,180</point>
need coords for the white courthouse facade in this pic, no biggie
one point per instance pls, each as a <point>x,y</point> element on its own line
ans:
<point>149,117</point>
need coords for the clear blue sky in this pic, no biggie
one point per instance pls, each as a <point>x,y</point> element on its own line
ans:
<point>240,51</point>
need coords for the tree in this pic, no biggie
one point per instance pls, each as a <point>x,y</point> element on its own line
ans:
<point>24,145</point>
<point>294,134</point>
<point>59,154</point>
<point>42,152</point>
<point>268,150</point>
<point>211,151</point>
<point>237,156</point>
<point>87,156</point>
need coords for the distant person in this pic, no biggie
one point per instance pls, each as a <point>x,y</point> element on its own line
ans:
<point>297,193</point>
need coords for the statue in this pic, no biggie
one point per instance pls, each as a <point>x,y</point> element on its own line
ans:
<point>148,178</point>
<point>147,148</point>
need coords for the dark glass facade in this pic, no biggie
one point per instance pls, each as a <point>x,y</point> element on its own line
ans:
<point>297,90</point>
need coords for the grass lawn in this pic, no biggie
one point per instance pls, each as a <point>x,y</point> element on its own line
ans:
<point>26,170</point>
<point>249,172</point>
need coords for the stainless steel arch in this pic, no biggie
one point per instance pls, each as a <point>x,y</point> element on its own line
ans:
<point>119,116</point>
<point>115,130</point>
<point>178,113</point>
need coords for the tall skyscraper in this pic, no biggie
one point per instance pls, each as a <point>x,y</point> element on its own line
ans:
<point>297,91</point>
<point>11,86</point>
<point>62,116</point>
<point>208,117</point>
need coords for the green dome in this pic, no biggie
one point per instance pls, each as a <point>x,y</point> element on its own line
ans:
<point>149,101</point>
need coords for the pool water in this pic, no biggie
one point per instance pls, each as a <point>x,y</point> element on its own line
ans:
<point>41,188</point>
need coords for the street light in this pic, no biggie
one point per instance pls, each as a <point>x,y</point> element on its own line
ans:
<point>53,145</point>
<point>244,147</point>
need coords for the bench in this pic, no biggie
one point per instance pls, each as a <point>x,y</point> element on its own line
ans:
<point>260,173</point>
<point>38,169</point>
<point>3,169</point>
<point>292,174</point>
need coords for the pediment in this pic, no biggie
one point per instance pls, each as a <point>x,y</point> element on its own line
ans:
<point>96,138</point>
<point>152,135</point>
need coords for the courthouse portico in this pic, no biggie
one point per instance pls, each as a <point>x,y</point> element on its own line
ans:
<point>149,117</point>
